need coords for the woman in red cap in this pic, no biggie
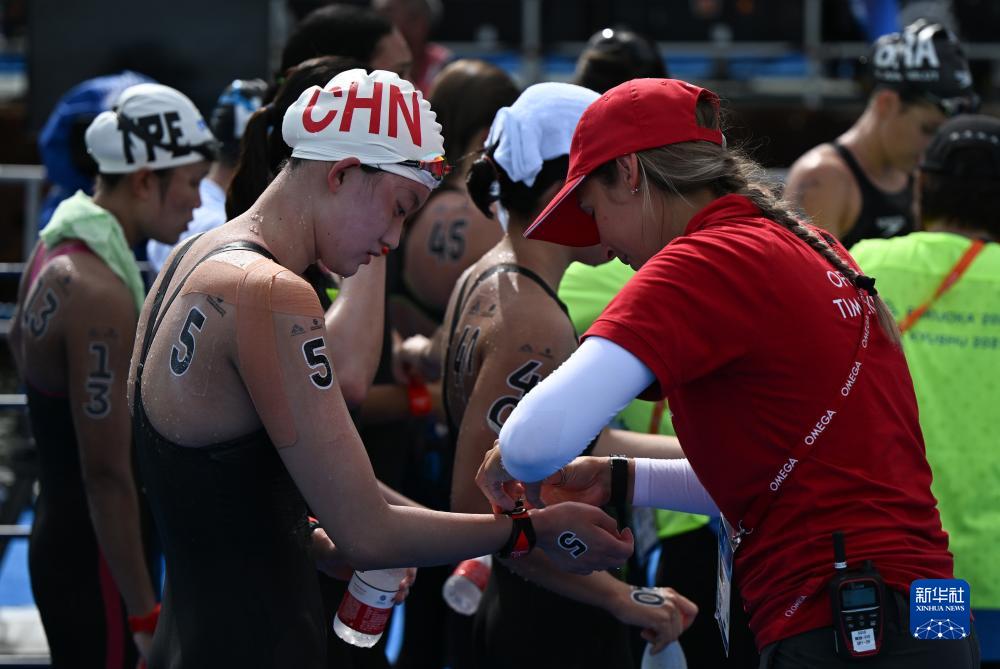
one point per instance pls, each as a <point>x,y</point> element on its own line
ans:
<point>782,368</point>
<point>238,416</point>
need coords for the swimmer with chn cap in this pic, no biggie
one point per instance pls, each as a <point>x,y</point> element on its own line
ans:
<point>242,346</point>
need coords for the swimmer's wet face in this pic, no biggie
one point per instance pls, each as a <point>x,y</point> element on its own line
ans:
<point>171,212</point>
<point>366,213</point>
<point>907,129</point>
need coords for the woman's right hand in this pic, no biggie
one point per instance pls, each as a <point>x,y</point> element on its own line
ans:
<point>586,479</point>
<point>580,538</point>
<point>662,613</point>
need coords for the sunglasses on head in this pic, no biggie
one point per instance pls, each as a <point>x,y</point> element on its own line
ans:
<point>438,167</point>
<point>966,104</point>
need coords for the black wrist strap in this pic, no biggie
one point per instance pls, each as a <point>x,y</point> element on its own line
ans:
<point>522,535</point>
<point>619,489</point>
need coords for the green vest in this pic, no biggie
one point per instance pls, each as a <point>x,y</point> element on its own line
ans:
<point>953,353</point>
<point>586,291</point>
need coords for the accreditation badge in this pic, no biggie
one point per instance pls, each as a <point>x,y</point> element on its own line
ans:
<point>724,581</point>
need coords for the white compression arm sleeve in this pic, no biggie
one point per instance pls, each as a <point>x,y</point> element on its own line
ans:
<point>562,414</point>
<point>670,484</point>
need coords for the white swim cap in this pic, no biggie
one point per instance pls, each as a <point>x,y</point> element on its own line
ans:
<point>378,118</point>
<point>151,126</point>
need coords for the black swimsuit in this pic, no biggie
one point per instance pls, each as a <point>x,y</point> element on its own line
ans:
<point>520,624</point>
<point>241,588</point>
<point>78,601</point>
<point>882,214</point>
<point>81,610</point>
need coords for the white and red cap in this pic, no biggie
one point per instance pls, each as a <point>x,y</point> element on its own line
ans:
<point>377,117</point>
<point>151,126</point>
<point>637,115</point>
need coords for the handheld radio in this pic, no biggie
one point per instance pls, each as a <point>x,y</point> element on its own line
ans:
<point>857,598</point>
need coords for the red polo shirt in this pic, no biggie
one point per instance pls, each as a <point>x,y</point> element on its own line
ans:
<point>751,335</point>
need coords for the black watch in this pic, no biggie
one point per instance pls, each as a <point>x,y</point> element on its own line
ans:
<point>619,489</point>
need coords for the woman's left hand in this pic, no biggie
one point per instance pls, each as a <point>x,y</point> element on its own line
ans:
<point>500,487</point>
<point>330,562</point>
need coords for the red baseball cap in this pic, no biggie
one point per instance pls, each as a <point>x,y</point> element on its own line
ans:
<point>637,115</point>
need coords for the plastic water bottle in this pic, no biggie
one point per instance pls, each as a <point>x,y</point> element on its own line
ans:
<point>671,657</point>
<point>464,588</point>
<point>364,611</point>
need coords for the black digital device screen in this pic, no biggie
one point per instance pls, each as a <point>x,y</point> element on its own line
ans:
<point>858,597</point>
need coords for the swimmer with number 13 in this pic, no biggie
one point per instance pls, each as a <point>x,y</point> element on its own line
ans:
<point>783,370</point>
<point>238,416</point>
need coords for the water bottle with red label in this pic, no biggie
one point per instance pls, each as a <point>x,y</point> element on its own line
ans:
<point>364,611</point>
<point>464,588</point>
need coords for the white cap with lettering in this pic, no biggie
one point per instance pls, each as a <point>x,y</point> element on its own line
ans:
<point>377,117</point>
<point>151,126</point>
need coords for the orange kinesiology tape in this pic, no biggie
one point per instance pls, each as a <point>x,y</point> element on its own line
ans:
<point>257,292</point>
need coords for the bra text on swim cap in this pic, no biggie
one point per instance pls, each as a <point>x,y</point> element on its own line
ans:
<point>916,49</point>
<point>396,104</point>
<point>151,129</point>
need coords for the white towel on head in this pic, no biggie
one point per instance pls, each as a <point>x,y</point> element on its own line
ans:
<point>537,127</point>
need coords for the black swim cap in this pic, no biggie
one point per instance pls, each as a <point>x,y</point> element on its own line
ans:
<point>925,61</point>
<point>232,111</point>
<point>966,146</point>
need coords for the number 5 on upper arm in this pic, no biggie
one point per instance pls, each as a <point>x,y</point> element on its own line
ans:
<point>312,350</point>
<point>178,364</point>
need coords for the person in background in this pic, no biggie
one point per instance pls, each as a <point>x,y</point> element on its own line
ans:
<point>788,386</point>
<point>415,19</point>
<point>228,120</point>
<point>943,287</point>
<point>860,185</point>
<point>68,166</point>
<point>450,233</point>
<point>439,243</point>
<point>72,334</point>
<point>614,55</point>
<point>349,31</point>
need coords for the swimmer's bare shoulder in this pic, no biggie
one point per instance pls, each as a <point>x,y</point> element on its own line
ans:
<point>527,320</point>
<point>446,236</point>
<point>822,186</point>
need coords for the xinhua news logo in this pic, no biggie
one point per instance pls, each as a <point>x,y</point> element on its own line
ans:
<point>939,609</point>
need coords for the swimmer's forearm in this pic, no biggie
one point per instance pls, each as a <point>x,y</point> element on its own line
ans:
<point>395,498</point>
<point>114,512</point>
<point>385,402</point>
<point>598,589</point>
<point>354,326</point>
<point>638,445</point>
<point>421,537</point>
